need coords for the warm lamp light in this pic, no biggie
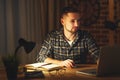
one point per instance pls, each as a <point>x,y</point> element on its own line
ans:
<point>28,46</point>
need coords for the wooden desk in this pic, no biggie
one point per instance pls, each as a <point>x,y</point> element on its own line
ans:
<point>70,74</point>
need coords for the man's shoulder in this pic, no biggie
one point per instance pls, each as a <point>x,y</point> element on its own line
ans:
<point>56,32</point>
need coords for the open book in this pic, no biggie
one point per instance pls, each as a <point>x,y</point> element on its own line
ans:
<point>43,66</point>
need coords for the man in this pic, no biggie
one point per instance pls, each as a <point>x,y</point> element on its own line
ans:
<point>69,45</point>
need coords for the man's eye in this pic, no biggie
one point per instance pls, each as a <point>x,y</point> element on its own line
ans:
<point>72,21</point>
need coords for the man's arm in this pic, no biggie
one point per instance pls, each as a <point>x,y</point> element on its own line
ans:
<point>93,47</point>
<point>45,54</point>
<point>67,63</point>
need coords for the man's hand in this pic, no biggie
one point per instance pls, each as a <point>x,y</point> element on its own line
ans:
<point>67,63</point>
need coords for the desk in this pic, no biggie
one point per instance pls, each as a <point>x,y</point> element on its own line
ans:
<point>70,74</point>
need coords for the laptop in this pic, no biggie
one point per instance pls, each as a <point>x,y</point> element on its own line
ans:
<point>108,64</point>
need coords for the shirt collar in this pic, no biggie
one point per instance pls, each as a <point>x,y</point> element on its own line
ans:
<point>61,33</point>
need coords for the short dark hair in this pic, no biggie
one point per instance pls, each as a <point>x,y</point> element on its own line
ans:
<point>68,9</point>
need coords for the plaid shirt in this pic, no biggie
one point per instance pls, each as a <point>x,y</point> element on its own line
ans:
<point>56,46</point>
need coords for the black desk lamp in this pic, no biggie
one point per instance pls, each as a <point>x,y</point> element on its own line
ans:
<point>11,63</point>
<point>28,46</point>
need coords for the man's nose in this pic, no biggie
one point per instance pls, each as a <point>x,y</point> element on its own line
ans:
<point>76,23</point>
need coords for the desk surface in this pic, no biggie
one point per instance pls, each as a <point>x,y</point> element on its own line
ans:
<point>70,74</point>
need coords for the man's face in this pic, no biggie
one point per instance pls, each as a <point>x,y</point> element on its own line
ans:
<point>71,22</point>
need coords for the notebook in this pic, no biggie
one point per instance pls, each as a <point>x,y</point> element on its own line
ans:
<point>108,64</point>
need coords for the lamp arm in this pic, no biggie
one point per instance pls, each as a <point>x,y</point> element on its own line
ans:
<point>16,50</point>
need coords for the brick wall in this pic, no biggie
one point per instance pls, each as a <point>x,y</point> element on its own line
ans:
<point>99,30</point>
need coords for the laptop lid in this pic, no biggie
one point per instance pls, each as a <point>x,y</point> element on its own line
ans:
<point>108,64</point>
<point>109,61</point>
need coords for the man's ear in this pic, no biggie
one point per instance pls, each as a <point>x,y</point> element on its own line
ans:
<point>62,21</point>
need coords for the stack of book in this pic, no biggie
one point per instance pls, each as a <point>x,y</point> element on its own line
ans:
<point>36,69</point>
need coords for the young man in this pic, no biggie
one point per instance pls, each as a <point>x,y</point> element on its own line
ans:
<point>69,45</point>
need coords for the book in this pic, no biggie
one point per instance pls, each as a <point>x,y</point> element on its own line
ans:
<point>34,74</point>
<point>43,66</point>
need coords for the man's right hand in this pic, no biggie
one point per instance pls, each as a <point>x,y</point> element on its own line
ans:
<point>67,63</point>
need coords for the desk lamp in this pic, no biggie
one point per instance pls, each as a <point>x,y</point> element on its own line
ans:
<point>28,46</point>
<point>11,63</point>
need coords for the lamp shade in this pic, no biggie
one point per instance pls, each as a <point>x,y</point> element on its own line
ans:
<point>28,45</point>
